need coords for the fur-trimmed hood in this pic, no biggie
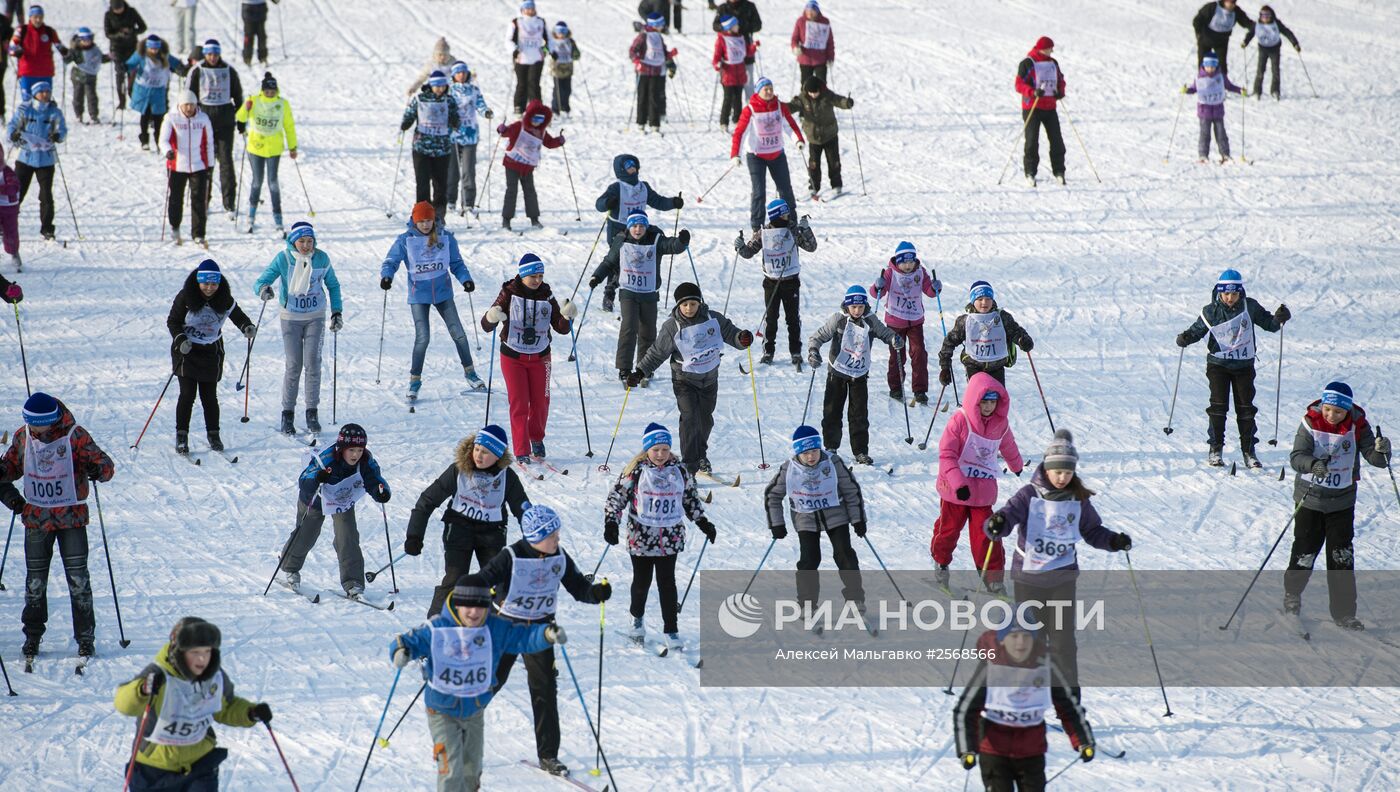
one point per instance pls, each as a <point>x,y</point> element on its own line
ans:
<point>463,457</point>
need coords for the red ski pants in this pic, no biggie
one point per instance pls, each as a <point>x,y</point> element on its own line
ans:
<point>527,390</point>
<point>917,355</point>
<point>951,519</point>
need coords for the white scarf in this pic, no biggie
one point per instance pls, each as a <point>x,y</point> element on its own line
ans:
<point>300,282</point>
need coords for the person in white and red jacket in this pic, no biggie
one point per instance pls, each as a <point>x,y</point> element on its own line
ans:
<point>653,63</point>
<point>523,141</point>
<point>1040,83</point>
<point>762,120</point>
<point>187,140</point>
<point>812,42</point>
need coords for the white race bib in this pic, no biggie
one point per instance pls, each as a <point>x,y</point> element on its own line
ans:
<point>529,325</point>
<point>1268,34</point>
<point>432,117</point>
<point>1047,77</point>
<point>1210,89</point>
<point>655,52</point>
<point>49,479</point>
<point>905,299</point>
<point>811,489</point>
<point>426,262</point>
<point>534,586</point>
<point>153,75</point>
<point>341,496</point>
<point>853,359</point>
<point>204,326</point>
<point>480,496</point>
<point>526,149</point>
<point>1052,531</point>
<point>978,459</point>
<point>1234,337</point>
<point>461,661</point>
<point>1341,452</point>
<point>780,256</point>
<point>1223,21</point>
<point>529,39</point>
<point>766,132</point>
<point>701,346</point>
<point>630,198</point>
<point>816,35</point>
<point>638,264</point>
<point>736,50</point>
<point>187,710</point>
<point>658,496</point>
<point>313,300</point>
<point>985,340</point>
<point>214,85</point>
<point>1017,696</point>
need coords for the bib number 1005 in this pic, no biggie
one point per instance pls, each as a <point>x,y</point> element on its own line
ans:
<point>47,489</point>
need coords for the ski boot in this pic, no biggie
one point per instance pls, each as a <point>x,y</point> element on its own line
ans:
<point>553,766</point>
<point>535,223</point>
<point>354,591</point>
<point>920,398</point>
<point>216,443</point>
<point>31,647</point>
<point>505,224</point>
<point>473,381</point>
<point>313,420</point>
<point>863,459</point>
<point>996,588</point>
<point>796,361</point>
<point>766,359</point>
<point>942,577</point>
<point>414,384</point>
<point>638,633</point>
<point>16,262</point>
<point>1216,458</point>
<point>674,642</point>
<point>252,218</point>
<point>1030,179</point>
<point>292,580</point>
<point>1350,623</point>
<point>704,466</point>
<point>896,394</point>
<point>608,300</point>
<point>286,427</point>
<point>537,449</point>
<point>1292,604</point>
<point>182,442</point>
<point>86,647</point>
<point>837,192</point>
<point>1250,460</point>
<point>1060,179</point>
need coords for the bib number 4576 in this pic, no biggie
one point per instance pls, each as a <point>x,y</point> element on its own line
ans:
<point>530,603</point>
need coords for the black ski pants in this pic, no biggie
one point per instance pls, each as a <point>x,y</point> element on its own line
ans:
<point>664,568</point>
<point>1219,43</point>
<point>811,71</point>
<point>696,399</point>
<point>732,104</point>
<point>810,558</point>
<point>254,27</point>
<point>228,176</point>
<point>527,84</point>
<point>45,177</point>
<point>1223,381</point>
<point>459,544</point>
<point>1267,56</point>
<point>150,126</point>
<point>651,99</point>
<point>430,176</point>
<point>198,183</point>
<point>1050,121</point>
<point>759,169</point>
<point>786,295</point>
<point>832,150</point>
<point>524,182</point>
<point>544,697</point>
<point>38,554</point>
<point>563,91</point>
<point>1311,530</point>
<point>853,395</point>
<point>208,393</point>
<point>638,330</point>
<point>1006,774</point>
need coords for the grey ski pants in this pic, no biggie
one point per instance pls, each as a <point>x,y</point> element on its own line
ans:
<point>302,341</point>
<point>347,544</point>
<point>1222,140</point>
<point>457,750</point>
<point>461,176</point>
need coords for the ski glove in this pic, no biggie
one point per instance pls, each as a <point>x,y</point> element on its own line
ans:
<point>745,339</point>
<point>54,137</point>
<point>779,531</point>
<point>969,761</point>
<point>495,315</point>
<point>684,237</point>
<point>859,528</point>
<point>469,286</point>
<point>261,713</point>
<point>266,293</point>
<point>413,545</point>
<point>94,471</point>
<point>945,376</point>
<point>814,360</point>
<point>324,475</point>
<point>1059,94</point>
<point>601,591</point>
<point>1120,541</point>
<point>12,500</point>
<point>1182,340</point>
<point>153,682</point>
<point>170,155</point>
<point>610,531</point>
<point>995,527</point>
<point>386,283</point>
<point>556,635</point>
<point>489,114</point>
<point>735,162</point>
<point>1025,343</point>
<point>635,378</point>
<point>14,137</point>
<point>963,493</point>
<point>707,528</point>
<point>242,127</point>
<point>1039,92</point>
<point>897,343</point>
<point>678,201</point>
<point>1383,446</point>
<point>1319,468</point>
<point>380,494</point>
<point>1282,314</point>
<point>594,281</point>
<point>14,294</point>
<point>337,322</point>
<point>401,657</point>
<point>738,243</point>
<point>249,332</point>
<point>404,127</point>
<point>183,344</point>
<point>568,310</point>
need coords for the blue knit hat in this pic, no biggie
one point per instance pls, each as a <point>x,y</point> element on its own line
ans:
<point>855,295</point>
<point>812,4</point>
<point>492,438</point>
<point>208,272</point>
<point>777,208</point>
<point>300,229</point>
<point>530,264</point>
<point>1230,281</point>
<point>637,217</point>
<point>981,288</point>
<point>655,434</point>
<point>1337,394</point>
<point>656,21</point>
<point>41,409</point>
<point>211,47</point>
<point>805,438</point>
<point>84,33</point>
<point>460,68</point>
<point>726,22</point>
<point>527,4</point>
<point>437,79</point>
<point>761,84</point>
<point>35,10</point>
<point>42,86</point>
<point>539,523</point>
<point>1210,61</point>
<point>904,251</point>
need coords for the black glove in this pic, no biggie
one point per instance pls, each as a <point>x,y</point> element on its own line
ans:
<point>859,528</point>
<point>601,591</point>
<point>242,127</point>
<point>153,683</point>
<point>1059,94</point>
<point>260,713</point>
<point>610,531</point>
<point>405,125</point>
<point>413,545</point>
<point>779,531</point>
<point>707,528</point>
<point>969,761</point>
<point>489,114</point>
<point>1182,340</point>
<point>380,494</point>
<point>684,237</point>
<point>14,136</point>
<point>93,471</point>
<point>963,493</point>
<point>995,527</point>
<point>469,286</point>
<point>13,500</point>
<point>594,281</point>
<point>323,475</point>
<point>738,243</point>
<point>183,343</point>
<point>170,155</point>
<point>386,283</point>
<point>1120,541</point>
<point>1025,343</point>
<point>850,103</point>
<point>945,376</point>
<point>53,137</point>
<point>1282,315</point>
<point>1039,92</point>
<point>635,378</point>
<point>745,339</point>
<point>678,202</point>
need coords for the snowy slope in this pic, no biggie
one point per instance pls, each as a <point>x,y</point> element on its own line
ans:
<point>1102,275</point>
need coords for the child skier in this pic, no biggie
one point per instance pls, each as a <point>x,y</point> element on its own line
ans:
<point>187,141</point>
<point>967,478</point>
<point>779,242</point>
<point>148,77</point>
<point>220,94</point>
<point>623,197</point>
<point>1041,84</point>
<point>653,493</point>
<point>38,126</point>
<point>1230,319</point>
<point>525,310</point>
<point>479,486</point>
<point>653,64</point>
<point>195,323</point>
<point>635,256</point>
<point>905,283</point>
<point>1327,453</point>
<point>847,336</point>
<point>812,43</point>
<point>732,51</point>
<point>9,211</point>
<point>332,483</point>
<point>1000,718</point>
<point>464,647</point>
<point>273,128</point>
<point>1051,515</point>
<point>563,51</point>
<point>32,47</point>
<point>817,106</point>
<point>693,338</point>
<point>1271,32</point>
<point>429,254</point>
<point>57,458</point>
<point>821,496</point>
<point>527,33</point>
<point>436,115</point>
<point>1210,87</point>
<point>177,700</point>
<point>524,139</point>
<point>765,141</point>
<point>121,25</point>
<point>308,284</point>
<point>988,335</point>
<point>87,61</point>
<point>461,169</point>
<point>526,577</point>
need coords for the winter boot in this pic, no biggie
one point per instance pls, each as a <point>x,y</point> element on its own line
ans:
<point>704,466</point>
<point>1060,178</point>
<point>473,381</point>
<point>175,235</point>
<point>1349,623</point>
<point>553,766</point>
<point>414,383</point>
<point>16,262</point>
<point>1030,179</point>
<point>674,642</point>
<point>996,589</point>
<point>608,301</point>
<point>1292,604</point>
<point>1250,460</point>
<point>215,442</point>
<point>313,420</point>
<point>836,192</point>
<point>942,577</point>
<point>31,646</point>
<point>293,580</point>
<point>1216,457</point>
<point>896,394</point>
<point>920,398</point>
<point>535,223</point>
<point>637,634</point>
<point>182,442</point>
<point>537,449</point>
<point>766,359</point>
<point>863,459</point>
<point>797,362</point>
<point>286,427</point>
<point>354,591</point>
<point>86,647</point>
<point>505,224</point>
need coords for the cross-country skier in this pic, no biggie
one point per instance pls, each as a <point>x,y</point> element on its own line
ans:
<point>308,286</point>
<point>693,339</point>
<point>524,139</point>
<point>197,348</point>
<point>816,106</point>
<point>779,241</point>
<point>1271,32</point>
<point>148,76</point>
<point>761,124</point>
<point>526,577</point>
<point>478,486</point>
<point>1229,320</point>
<point>750,24</point>
<point>1327,451</point>
<point>429,254</point>
<point>563,52</point>
<point>38,127</point>
<point>87,61</point>
<point>122,24</point>
<point>331,484</point>
<point>187,141</point>
<point>32,48</point>
<point>220,95</point>
<point>635,256</point>
<point>654,493</point>
<point>1000,718</point>
<point>177,700</point>
<point>57,458</point>
<point>185,13</point>
<point>812,42</point>
<point>9,211</point>
<point>1213,24</point>
<point>847,337</point>
<point>525,312</point>
<point>527,34</point>
<point>1210,87</point>
<point>623,197</point>
<point>464,647</point>
<point>255,30</point>
<point>904,283</point>
<point>1041,84</point>
<point>435,114</point>
<point>654,63</point>
<point>988,334</point>
<point>733,51</point>
<point>461,168</point>
<point>273,126</point>
<point>967,478</point>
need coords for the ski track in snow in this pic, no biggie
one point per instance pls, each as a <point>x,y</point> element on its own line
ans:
<point>1103,276</point>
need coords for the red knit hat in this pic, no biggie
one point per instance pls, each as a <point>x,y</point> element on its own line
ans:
<point>423,211</point>
<point>1044,42</point>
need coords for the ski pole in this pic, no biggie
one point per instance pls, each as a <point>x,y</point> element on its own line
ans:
<point>693,570</point>
<point>136,744</point>
<point>808,404</point>
<point>1176,119</point>
<point>475,335</point>
<point>855,131</point>
<point>383,315</point>
<point>753,385</point>
<point>583,406</point>
<point>1269,555</point>
<point>957,660</point>
<point>881,562</point>
<point>591,251</point>
<point>244,373</point>
<point>727,171</point>
<point>1388,469</point>
<point>1062,770</point>
<point>591,110</point>
<point>397,673</point>
<point>733,268</point>
<point>1043,402</point>
<point>695,273</point>
<point>908,431</point>
<point>248,373</point>
<point>573,348</point>
<point>23,358</point>
<point>389,544</point>
<point>1011,155</point>
<point>1243,105</point>
<point>671,263</point>
<point>486,183</point>
<point>116,602</point>
<point>934,417</point>
<point>625,394</point>
<point>238,187</point>
<point>7,677</point>
<point>393,559</point>
<point>599,565</point>
<point>714,94</point>
<point>165,208</point>
<point>296,529</point>
<point>335,365</point>
<point>384,741</point>
<point>564,650</point>
<point>1085,148</point>
<point>578,216</point>
<point>490,375</point>
<point>761,561</point>
<point>1171,413</point>
<point>1148,633</point>
<point>938,297</point>
<point>632,108</point>
<point>1278,388</point>
<point>282,33</point>
<point>394,191</point>
<point>64,179</point>
<point>6,556</point>
<point>137,445</point>
<point>310,210</point>
<point>1305,72</point>
<point>282,756</point>
<point>599,707</point>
